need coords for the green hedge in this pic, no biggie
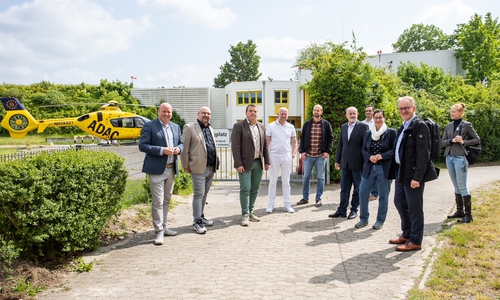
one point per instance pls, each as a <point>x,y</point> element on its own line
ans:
<point>55,204</point>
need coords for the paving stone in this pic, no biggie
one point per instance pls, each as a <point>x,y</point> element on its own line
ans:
<point>284,256</point>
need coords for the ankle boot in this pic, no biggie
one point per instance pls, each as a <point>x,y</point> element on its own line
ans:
<point>467,218</point>
<point>460,207</point>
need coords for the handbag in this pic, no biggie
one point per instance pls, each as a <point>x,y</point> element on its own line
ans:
<point>472,152</point>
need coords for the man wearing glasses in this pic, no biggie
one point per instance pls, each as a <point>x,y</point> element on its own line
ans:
<point>413,168</point>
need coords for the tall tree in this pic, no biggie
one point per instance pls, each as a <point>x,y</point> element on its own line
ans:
<point>478,47</point>
<point>422,37</point>
<point>243,66</point>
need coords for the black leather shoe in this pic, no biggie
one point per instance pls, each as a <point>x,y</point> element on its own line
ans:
<point>337,215</point>
<point>302,202</point>
<point>352,215</point>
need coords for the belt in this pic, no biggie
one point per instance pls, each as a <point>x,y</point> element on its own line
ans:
<point>169,166</point>
<point>257,159</point>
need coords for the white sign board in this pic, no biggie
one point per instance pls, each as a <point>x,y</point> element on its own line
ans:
<point>222,138</point>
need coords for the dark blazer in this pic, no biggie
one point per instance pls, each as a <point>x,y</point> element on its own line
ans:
<point>151,142</point>
<point>468,133</point>
<point>387,139</point>
<point>416,163</point>
<point>243,147</point>
<point>349,151</point>
<point>326,137</point>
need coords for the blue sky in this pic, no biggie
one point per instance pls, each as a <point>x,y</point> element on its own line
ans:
<point>184,42</point>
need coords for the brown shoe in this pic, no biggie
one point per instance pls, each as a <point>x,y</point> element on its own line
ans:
<point>302,201</point>
<point>409,246</point>
<point>373,198</point>
<point>400,240</point>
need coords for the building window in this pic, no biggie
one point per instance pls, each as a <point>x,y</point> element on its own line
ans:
<point>249,97</point>
<point>280,97</point>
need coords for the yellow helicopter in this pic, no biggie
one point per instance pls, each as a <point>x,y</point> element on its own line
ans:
<point>109,123</point>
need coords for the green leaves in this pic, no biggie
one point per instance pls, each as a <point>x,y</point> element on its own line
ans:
<point>55,204</point>
<point>422,37</point>
<point>243,66</point>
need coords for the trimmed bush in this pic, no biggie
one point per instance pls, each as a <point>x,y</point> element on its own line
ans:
<point>55,204</point>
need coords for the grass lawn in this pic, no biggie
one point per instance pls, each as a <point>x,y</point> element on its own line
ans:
<point>468,266</point>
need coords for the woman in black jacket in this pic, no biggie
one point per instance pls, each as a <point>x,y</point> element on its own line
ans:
<point>378,149</point>
<point>457,135</point>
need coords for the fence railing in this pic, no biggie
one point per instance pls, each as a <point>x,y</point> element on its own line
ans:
<point>134,159</point>
<point>30,152</point>
<point>227,172</point>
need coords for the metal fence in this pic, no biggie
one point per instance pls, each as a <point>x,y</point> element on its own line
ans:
<point>227,172</point>
<point>26,153</point>
<point>134,159</point>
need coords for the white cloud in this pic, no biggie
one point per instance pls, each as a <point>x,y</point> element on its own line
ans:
<point>445,16</point>
<point>280,48</point>
<point>59,31</point>
<point>188,76</point>
<point>304,10</point>
<point>199,12</point>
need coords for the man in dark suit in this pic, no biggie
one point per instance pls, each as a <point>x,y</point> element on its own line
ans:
<point>161,141</point>
<point>199,158</point>
<point>251,156</point>
<point>413,168</point>
<point>350,159</point>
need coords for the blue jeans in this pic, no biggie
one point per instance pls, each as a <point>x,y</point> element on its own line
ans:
<point>249,187</point>
<point>348,179</point>
<point>375,179</point>
<point>458,168</point>
<point>307,165</point>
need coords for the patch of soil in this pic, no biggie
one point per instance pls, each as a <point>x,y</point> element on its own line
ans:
<point>25,278</point>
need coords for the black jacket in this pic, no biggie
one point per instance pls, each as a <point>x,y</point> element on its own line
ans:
<point>349,151</point>
<point>387,140</point>
<point>416,163</point>
<point>326,138</point>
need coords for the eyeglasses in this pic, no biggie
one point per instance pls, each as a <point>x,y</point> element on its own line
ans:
<point>378,118</point>
<point>401,109</point>
<point>368,110</point>
<point>205,113</point>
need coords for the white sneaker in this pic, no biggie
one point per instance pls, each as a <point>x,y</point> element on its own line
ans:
<point>159,238</point>
<point>269,209</point>
<point>207,222</point>
<point>289,209</point>
<point>245,220</point>
<point>199,227</point>
<point>168,232</point>
<point>253,217</point>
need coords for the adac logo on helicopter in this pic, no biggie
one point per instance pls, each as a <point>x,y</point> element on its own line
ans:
<point>103,131</point>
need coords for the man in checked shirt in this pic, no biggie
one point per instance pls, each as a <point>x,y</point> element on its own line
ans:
<point>316,142</point>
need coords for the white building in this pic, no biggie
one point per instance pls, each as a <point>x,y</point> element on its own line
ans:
<point>444,59</point>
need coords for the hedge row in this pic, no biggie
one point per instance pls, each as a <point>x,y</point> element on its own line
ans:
<point>56,204</point>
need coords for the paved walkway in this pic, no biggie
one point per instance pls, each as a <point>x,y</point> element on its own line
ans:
<point>285,256</point>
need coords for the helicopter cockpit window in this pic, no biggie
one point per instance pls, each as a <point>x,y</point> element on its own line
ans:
<point>139,122</point>
<point>128,122</point>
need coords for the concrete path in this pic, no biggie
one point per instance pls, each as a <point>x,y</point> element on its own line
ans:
<point>285,256</point>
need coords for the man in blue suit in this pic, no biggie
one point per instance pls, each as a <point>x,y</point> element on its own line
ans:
<point>350,159</point>
<point>161,141</point>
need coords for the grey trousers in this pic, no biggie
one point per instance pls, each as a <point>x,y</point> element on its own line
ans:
<point>201,186</point>
<point>161,187</point>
